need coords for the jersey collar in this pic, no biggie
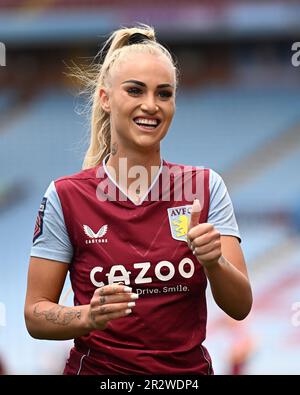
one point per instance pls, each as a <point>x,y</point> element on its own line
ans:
<point>142,199</point>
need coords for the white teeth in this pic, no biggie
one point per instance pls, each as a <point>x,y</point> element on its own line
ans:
<point>145,121</point>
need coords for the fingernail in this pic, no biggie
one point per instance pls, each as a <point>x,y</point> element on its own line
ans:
<point>131,304</point>
<point>196,206</point>
<point>194,252</point>
<point>128,311</point>
<point>127,289</point>
<point>134,296</point>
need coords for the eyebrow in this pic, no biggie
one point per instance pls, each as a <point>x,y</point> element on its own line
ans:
<point>143,84</point>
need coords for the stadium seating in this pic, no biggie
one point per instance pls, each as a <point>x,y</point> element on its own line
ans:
<point>213,127</point>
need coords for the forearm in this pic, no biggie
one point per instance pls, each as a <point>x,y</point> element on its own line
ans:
<point>47,320</point>
<point>230,288</point>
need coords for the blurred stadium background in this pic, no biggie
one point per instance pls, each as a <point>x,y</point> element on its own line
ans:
<point>238,112</point>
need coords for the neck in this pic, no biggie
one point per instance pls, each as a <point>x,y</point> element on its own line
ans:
<point>126,174</point>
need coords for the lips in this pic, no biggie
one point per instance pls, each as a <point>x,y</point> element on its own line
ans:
<point>146,123</point>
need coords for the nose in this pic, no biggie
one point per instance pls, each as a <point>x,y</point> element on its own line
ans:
<point>149,105</point>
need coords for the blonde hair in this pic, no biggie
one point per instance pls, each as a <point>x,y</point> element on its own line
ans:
<point>98,76</point>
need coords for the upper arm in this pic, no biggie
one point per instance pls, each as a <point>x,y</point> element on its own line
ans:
<point>51,239</point>
<point>51,252</point>
<point>45,280</point>
<point>231,250</point>
<point>221,213</point>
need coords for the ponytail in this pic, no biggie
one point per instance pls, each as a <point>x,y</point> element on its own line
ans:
<point>100,139</point>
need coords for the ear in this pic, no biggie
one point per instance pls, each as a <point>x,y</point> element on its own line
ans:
<point>104,100</point>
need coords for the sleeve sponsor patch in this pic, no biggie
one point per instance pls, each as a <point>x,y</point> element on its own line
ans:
<point>38,229</point>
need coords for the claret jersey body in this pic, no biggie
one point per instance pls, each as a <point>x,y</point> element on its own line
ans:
<point>88,222</point>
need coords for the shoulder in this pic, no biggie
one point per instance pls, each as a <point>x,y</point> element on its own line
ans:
<point>214,178</point>
<point>79,176</point>
<point>178,168</point>
<point>70,181</point>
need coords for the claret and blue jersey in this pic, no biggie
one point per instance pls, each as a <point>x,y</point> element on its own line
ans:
<point>144,245</point>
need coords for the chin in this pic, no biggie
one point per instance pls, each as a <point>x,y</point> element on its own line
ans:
<point>148,144</point>
<point>150,140</point>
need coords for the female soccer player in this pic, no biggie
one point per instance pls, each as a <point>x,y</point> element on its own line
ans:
<point>140,236</point>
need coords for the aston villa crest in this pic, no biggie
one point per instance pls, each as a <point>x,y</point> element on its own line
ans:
<point>179,219</point>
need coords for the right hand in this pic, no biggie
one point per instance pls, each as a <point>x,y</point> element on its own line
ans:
<point>108,303</point>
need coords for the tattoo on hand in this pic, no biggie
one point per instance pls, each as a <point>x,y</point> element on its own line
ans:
<point>103,310</point>
<point>102,299</point>
<point>93,317</point>
<point>56,315</point>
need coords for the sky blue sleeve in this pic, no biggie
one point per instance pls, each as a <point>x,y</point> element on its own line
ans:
<point>51,239</point>
<point>221,213</point>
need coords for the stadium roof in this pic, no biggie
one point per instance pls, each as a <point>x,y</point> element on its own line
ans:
<point>62,21</point>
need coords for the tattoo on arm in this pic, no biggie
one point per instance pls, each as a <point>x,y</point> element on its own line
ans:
<point>57,315</point>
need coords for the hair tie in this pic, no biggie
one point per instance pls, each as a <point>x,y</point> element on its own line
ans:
<point>137,38</point>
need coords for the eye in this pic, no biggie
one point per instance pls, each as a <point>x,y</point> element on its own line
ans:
<point>134,91</point>
<point>165,94</point>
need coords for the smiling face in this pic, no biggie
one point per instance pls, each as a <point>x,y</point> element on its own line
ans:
<point>140,100</point>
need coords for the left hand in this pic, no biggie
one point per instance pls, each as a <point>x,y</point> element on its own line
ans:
<point>203,239</point>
